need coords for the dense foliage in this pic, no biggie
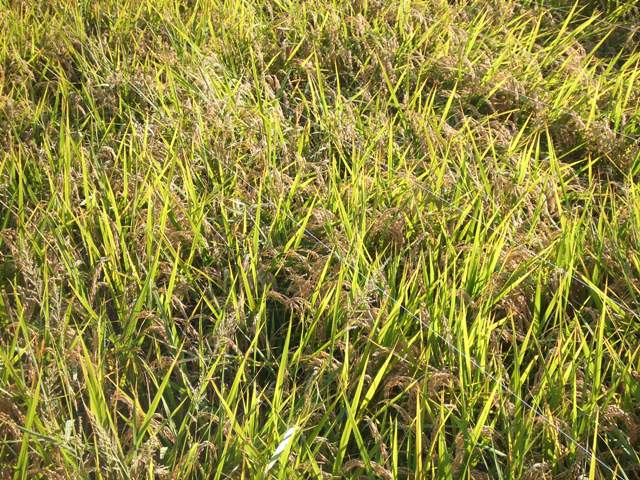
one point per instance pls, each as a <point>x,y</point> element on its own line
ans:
<point>406,231</point>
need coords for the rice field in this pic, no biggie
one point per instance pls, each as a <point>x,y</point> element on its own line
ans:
<point>291,239</point>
